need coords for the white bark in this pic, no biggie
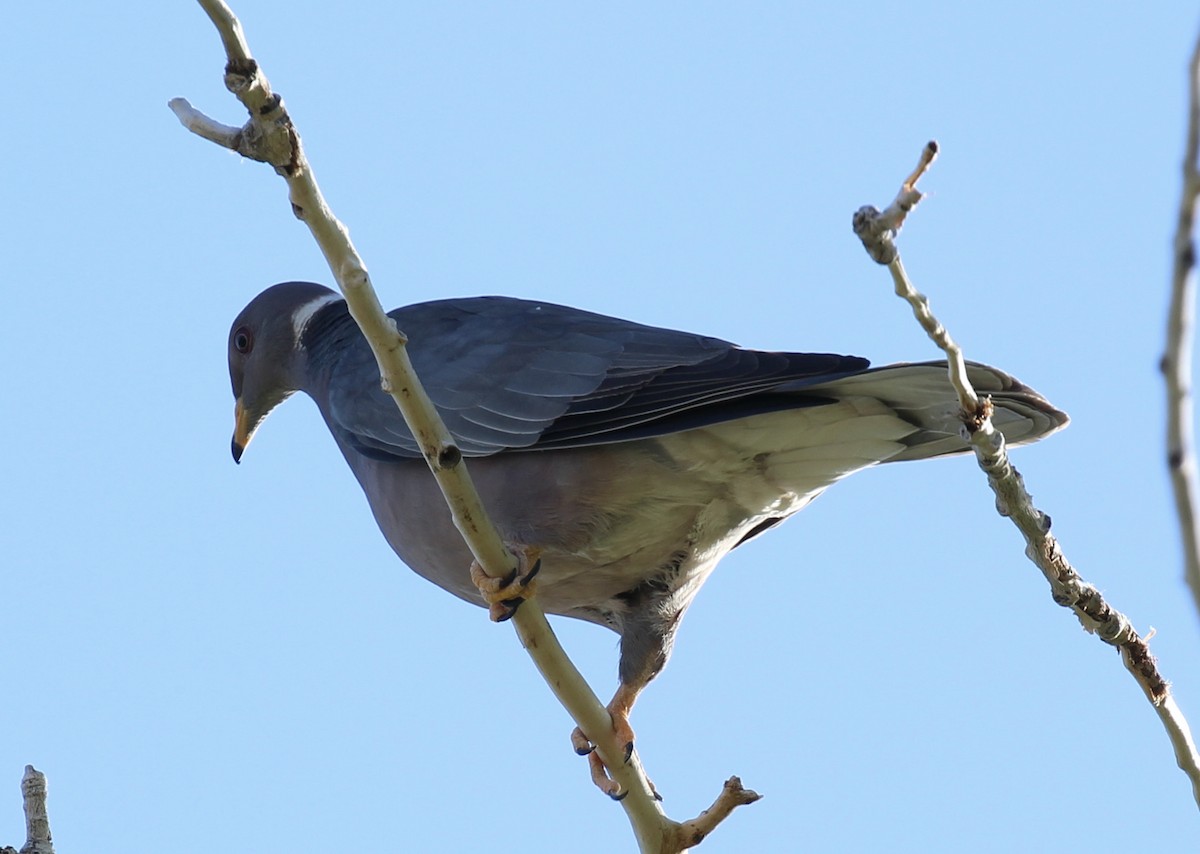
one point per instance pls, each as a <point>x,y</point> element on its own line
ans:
<point>37,822</point>
<point>270,136</point>
<point>878,231</point>
<point>1177,358</point>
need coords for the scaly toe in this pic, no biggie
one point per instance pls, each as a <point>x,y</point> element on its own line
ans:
<point>600,777</point>
<point>504,594</point>
<point>580,742</point>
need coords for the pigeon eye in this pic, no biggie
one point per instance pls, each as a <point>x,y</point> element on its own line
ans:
<point>242,340</point>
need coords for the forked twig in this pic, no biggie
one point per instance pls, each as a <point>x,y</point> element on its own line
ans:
<point>878,232</point>
<point>271,137</point>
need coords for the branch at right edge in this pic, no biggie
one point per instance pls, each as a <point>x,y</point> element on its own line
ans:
<point>878,230</point>
<point>1177,357</point>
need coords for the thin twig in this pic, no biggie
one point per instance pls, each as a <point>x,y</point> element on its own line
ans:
<point>878,229</point>
<point>270,136</point>
<point>1177,359</point>
<point>733,795</point>
<point>1013,500</point>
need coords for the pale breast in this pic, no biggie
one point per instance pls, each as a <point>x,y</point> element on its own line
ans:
<point>606,518</point>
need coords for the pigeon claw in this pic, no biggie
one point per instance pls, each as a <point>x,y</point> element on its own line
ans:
<point>505,609</point>
<point>504,594</point>
<point>580,742</point>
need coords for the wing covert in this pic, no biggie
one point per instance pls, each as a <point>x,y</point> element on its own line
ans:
<point>509,374</point>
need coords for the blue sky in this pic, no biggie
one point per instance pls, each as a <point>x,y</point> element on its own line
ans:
<point>198,653</point>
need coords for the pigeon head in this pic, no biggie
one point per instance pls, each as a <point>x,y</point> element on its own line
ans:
<point>265,353</point>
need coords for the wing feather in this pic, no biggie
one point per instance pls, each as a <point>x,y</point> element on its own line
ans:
<point>509,374</point>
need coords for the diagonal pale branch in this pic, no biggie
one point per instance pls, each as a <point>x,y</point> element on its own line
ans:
<point>270,136</point>
<point>1177,358</point>
<point>878,231</point>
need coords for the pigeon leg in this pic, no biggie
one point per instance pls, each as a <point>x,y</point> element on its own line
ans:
<point>504,594</point>
<point>647,634</point>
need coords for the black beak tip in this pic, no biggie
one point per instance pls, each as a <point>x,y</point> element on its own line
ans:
<point>237,451</point>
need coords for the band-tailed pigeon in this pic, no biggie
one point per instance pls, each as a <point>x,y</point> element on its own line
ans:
<point>630,459</point>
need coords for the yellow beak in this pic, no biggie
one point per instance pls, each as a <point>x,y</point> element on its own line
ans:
<point>242,430</point>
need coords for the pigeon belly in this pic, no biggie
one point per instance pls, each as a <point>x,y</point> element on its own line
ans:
<point>608,519</point>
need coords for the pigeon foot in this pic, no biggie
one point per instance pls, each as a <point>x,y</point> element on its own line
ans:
<point>504,594</point>
<point>618,709</point>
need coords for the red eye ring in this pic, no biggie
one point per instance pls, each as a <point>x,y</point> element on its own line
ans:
<point>243,341</point>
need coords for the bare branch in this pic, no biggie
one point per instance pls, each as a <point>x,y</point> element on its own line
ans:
<point>230,30</point>
<point>203,126</point>
<point>37,822</point>
<point>1177,359</point>
<point>732,796</point>
<point>270,136</point>
<point>1013,500</point>
<point>968,400</point>
<point>878,229</point>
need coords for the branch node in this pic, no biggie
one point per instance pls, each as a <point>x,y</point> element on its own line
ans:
<point>878,229</point>
<point>274,104</point>
<point>877,236</point>
<point>240,75</point>
<point>448,457</point>
<point>733,795</point>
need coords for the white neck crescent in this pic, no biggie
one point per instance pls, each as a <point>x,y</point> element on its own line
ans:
<point>304,314</point>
